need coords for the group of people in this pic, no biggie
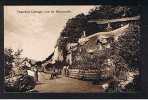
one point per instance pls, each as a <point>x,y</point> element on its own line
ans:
<point>55,72</point>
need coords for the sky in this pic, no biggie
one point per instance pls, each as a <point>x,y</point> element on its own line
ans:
<point>35,29</point>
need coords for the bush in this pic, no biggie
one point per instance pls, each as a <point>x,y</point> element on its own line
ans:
<point>20,84</point>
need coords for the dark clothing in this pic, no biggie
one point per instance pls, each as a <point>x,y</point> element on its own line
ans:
<point>36,76</point>
<point>54,73</point>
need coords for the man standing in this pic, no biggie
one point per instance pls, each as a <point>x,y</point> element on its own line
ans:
<point>64,71</point>
<point>36,73</point>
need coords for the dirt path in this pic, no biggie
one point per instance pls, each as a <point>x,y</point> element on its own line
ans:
<point>65,85</point>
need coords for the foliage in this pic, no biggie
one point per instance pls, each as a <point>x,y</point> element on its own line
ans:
<point>21,84</point>
<point>129,45</point>
<point>113,11</point>
<point>11,57</point>
<point>74,27</point>
<point>134,86</point>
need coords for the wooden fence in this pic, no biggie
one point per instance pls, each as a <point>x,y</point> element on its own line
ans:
<point>84,74</point>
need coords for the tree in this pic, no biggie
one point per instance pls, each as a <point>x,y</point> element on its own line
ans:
<point>11,57</point>
<point>19,81</point>
<point>113,11</point>
<point>75,27</point>
<point>129,45</point>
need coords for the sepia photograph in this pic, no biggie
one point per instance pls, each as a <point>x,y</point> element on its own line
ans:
<point>72,49</point>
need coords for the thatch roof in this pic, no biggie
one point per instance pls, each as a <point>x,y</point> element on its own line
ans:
<point>114,33</point>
